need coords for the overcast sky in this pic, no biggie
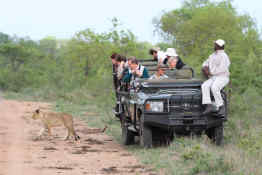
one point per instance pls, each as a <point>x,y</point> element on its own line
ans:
<point>63,18</point>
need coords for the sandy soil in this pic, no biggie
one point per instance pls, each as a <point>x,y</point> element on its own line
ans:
<point>21,154</point>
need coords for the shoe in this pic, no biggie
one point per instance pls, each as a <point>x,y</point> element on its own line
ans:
<point>117,108</point>
<point>222,110</point>
<point>209,109</point>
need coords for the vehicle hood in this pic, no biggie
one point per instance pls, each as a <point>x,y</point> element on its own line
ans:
<point>164,89</point>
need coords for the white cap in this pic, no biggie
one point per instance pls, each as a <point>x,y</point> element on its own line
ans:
<point>171,52</point>
<point>220,42</point>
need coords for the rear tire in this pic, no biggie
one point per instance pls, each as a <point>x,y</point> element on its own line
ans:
<point>146,140</point>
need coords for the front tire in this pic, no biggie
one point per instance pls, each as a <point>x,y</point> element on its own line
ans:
<point>146,140</point>
<point>216,134</point>
<point>128,137</point>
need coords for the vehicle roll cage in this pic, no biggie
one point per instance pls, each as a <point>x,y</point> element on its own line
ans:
<point>151,66</point>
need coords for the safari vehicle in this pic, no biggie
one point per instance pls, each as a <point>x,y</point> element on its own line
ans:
<point>162,109</point>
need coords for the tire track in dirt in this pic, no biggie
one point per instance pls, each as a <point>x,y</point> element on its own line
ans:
<point>13,148</point>
<point>20,154</point>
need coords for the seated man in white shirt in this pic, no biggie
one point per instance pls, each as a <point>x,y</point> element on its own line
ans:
<point>159,75</point>
<point>216,68</point>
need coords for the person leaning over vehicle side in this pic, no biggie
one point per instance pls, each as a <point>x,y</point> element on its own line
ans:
<point>136,71</point>
<point>116,82</point>
<point>120,61</point>
<point>157,54</point>
<point>127,67</point>
<point>114,69</point>
<point>216,68</point>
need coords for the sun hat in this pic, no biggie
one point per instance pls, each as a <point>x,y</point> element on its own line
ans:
<point>171,52</point>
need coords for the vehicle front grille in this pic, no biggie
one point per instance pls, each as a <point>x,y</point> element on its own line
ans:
<point>185,104</point>
<point>179,91</point>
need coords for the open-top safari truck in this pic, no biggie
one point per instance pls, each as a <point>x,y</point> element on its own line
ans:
<point>157,109</point>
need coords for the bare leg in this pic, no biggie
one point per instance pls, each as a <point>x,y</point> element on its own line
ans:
<point>68,134</point>
<point>41,133</point>
<point>49,132</point>
<point>76,136</point>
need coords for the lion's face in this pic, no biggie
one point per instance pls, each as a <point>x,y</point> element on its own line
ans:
<point>36,114</point>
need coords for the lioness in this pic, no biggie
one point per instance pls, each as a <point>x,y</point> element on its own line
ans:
<point>51,119</point>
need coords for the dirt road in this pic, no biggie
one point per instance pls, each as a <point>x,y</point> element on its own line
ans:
<point>21,154</point>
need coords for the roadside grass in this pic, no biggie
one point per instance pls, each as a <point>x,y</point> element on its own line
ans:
<point>241,153</point>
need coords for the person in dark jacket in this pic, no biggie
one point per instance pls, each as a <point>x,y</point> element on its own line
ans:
<point>177,68</point>
<point>171,53</point>
<point>114,69</point>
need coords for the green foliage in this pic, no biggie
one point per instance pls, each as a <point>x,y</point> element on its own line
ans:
<point>213,166</point>
<point>64,65</point>
<point>193,28</point>
<point>48,46</point>
<point>17,55</point>
<point>4,38</point>
<point>205,162</point>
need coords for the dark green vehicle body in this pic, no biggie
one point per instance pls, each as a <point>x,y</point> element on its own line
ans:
<point>181,111</point>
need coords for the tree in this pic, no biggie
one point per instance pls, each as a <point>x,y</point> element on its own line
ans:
<point>194,27</point>
<point>198,23</point>
<point>4,38</point>
<point>15,54</point>
<point>90,51</point>
<point>48,46</point>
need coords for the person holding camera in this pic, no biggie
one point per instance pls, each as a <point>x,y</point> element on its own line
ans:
<point>136,71</point>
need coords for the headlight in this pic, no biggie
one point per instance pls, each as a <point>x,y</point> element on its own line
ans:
<point>154,106</point>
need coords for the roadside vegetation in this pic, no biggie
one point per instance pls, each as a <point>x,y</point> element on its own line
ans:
<point>75,75</point>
